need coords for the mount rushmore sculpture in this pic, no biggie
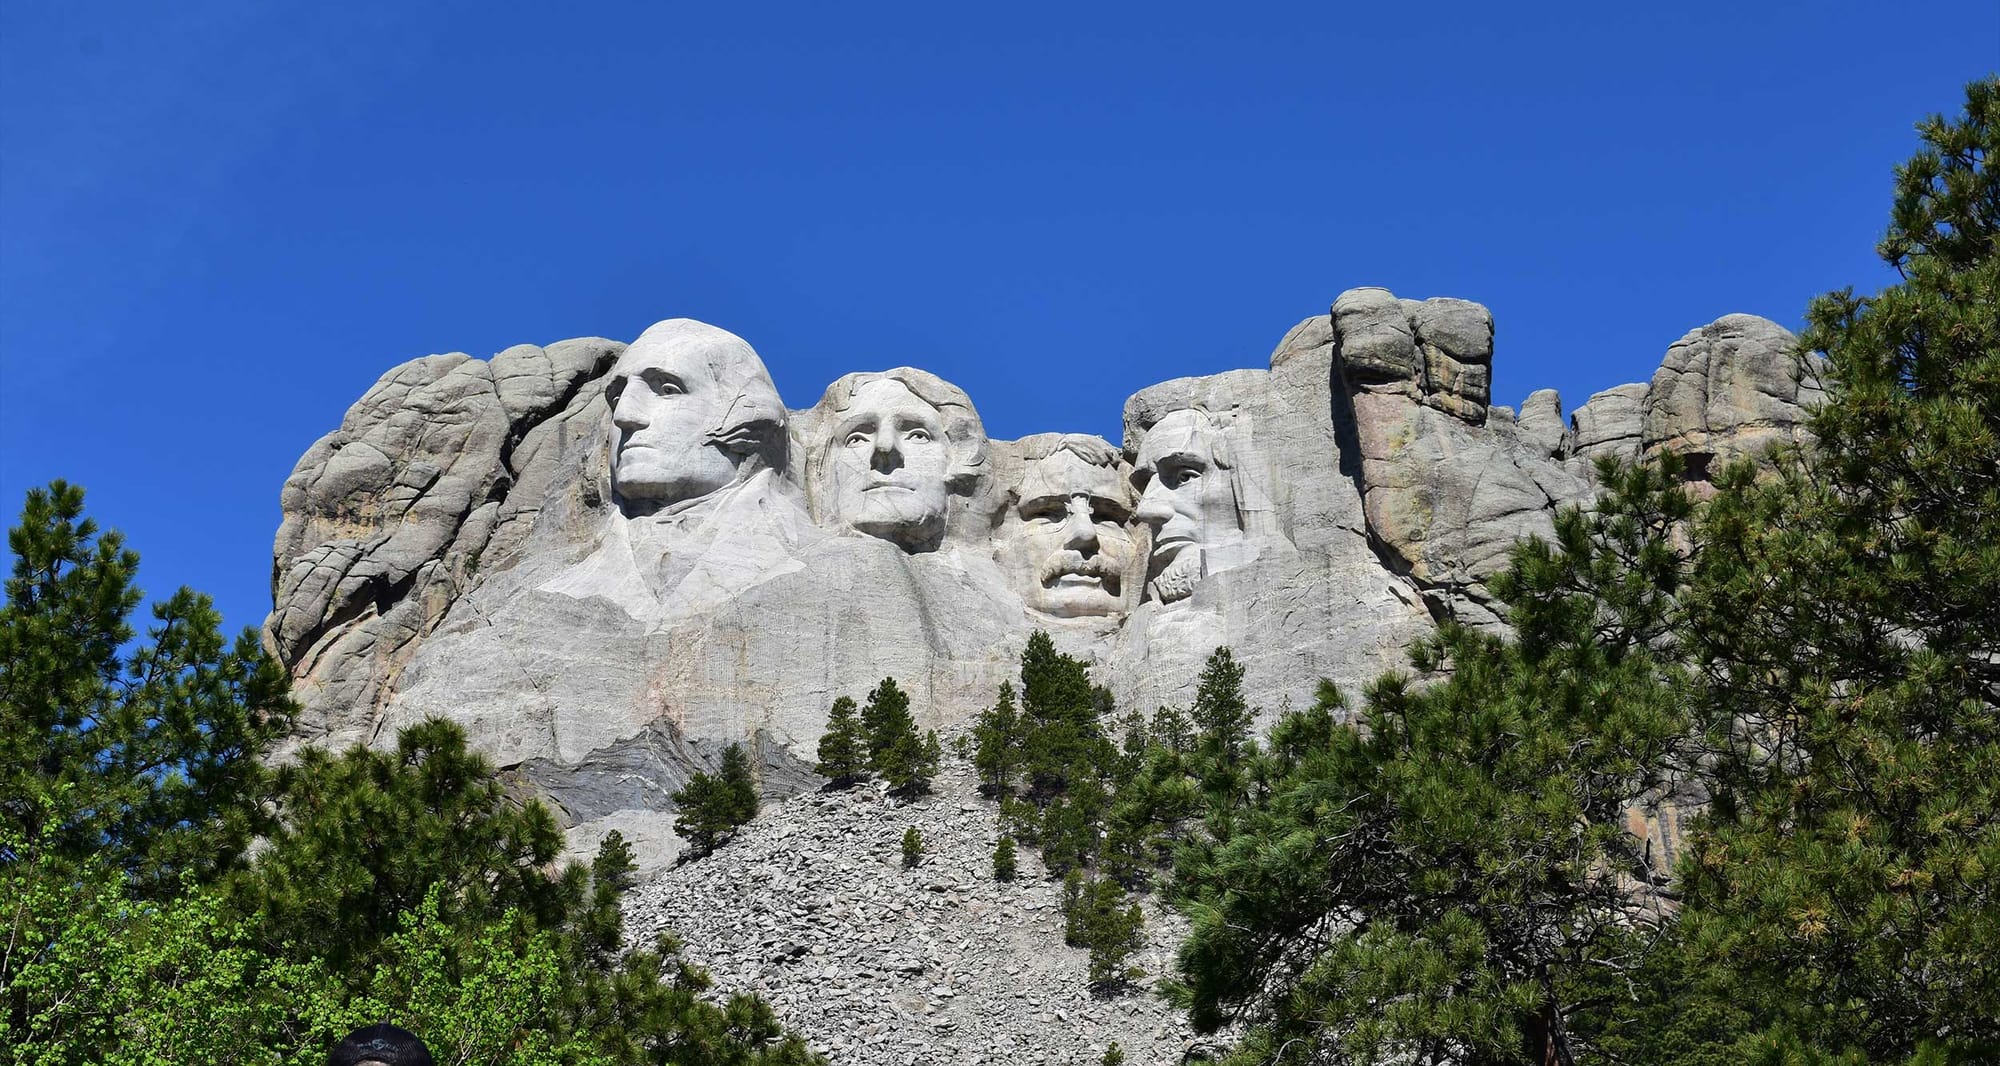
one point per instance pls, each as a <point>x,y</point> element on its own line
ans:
<point>607,560</point>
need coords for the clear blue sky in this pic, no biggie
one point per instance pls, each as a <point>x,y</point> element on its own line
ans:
<point>220,222</point>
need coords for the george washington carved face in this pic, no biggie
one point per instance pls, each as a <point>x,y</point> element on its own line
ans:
<point>693,410</point>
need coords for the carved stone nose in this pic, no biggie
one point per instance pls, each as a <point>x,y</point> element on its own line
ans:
<point>1080,533</point>
<point>625,413</point>
<point>886,456</point>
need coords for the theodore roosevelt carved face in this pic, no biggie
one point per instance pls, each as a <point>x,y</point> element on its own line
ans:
<point>1069,546</point>
<point>693,410</point>
<point>897,445</point>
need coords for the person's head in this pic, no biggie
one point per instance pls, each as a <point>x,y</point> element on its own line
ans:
<point>1188,495</point>
<point>894,447</point>
<point>692,410</point>
<point>1069,548</point>
<point>380,1045</point>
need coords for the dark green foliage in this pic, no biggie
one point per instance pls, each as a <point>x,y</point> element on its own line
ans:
<point>1221,717</point>
<point>1003,859</point>
<point>999,739</point>
<point>712,806</point>
<point>1113,1055</point>
<point>363,831</point>
<point>903,758</point>
<point>364,835</point>
<point>1814,653</point>
<point>1450,882</point>
<point>1098,916</point>
<point>913,847</point>
<point>142,929</point>
<point>843,748</point>
<point>739,783</point>
<point>1170,731</point>
<point>144,758</point>
<point>1845,618</point>
<point>1060,708</point>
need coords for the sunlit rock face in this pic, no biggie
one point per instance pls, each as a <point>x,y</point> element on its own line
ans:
<point>607,561</point>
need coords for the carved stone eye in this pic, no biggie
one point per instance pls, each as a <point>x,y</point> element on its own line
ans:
<point>664,384</point>
<point>859,438</point>
<point>1178,474</point>
<point>919,435</point>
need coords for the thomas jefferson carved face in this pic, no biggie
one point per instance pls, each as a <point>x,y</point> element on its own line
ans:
<point>1189,498</point>
<point>889,461</point>
<point>1071,551</point>
<point>690,404</point>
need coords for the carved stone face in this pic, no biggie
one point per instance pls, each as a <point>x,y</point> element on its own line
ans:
<point>1187,497</point>
<point>1072,552</point>
<point>888,463</point>
<point>687,401</point>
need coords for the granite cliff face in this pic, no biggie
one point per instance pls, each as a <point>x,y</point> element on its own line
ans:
<point>606,561</point>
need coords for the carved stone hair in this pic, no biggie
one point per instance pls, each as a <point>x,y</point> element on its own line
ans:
<point>1093,450</point>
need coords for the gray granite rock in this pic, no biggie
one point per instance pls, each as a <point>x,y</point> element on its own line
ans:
<point>608,561</point>
<point>1607,424</point>
<point>1541,420</point>
<point>1731,388</point>
<point>1373,338</point>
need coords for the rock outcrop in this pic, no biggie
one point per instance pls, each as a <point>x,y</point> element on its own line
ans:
<point>606,561</point>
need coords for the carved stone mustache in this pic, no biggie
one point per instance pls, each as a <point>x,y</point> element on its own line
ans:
<point>1068,562</point>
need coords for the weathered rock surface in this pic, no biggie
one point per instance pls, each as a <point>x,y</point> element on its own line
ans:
<point>873,964</point>
<point>606,561</point>
<point>1727,390</point>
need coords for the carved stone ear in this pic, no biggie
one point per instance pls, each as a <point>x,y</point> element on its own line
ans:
<point>751,424</point>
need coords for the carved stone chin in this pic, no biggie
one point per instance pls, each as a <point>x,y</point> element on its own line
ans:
<point>1177,580</point>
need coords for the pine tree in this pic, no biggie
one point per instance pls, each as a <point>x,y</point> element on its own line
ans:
<point>145,755</point>
<point>897,753</point>
<point>1845,619</point>
<point>885,720</point>
<point>913,847</point>
<point>998,741</point>
<point>1096,916</point>
<point>1220,714</point>
<point>707,808</point>
<point>1060,707</point>
<point>739,785</point>
<point>843,748</point>
<point>1451,882</point>
<point>1003,859</point>
<point>1170,730</point>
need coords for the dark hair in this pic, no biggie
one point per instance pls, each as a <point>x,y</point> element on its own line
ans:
<point>385,1044</point>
